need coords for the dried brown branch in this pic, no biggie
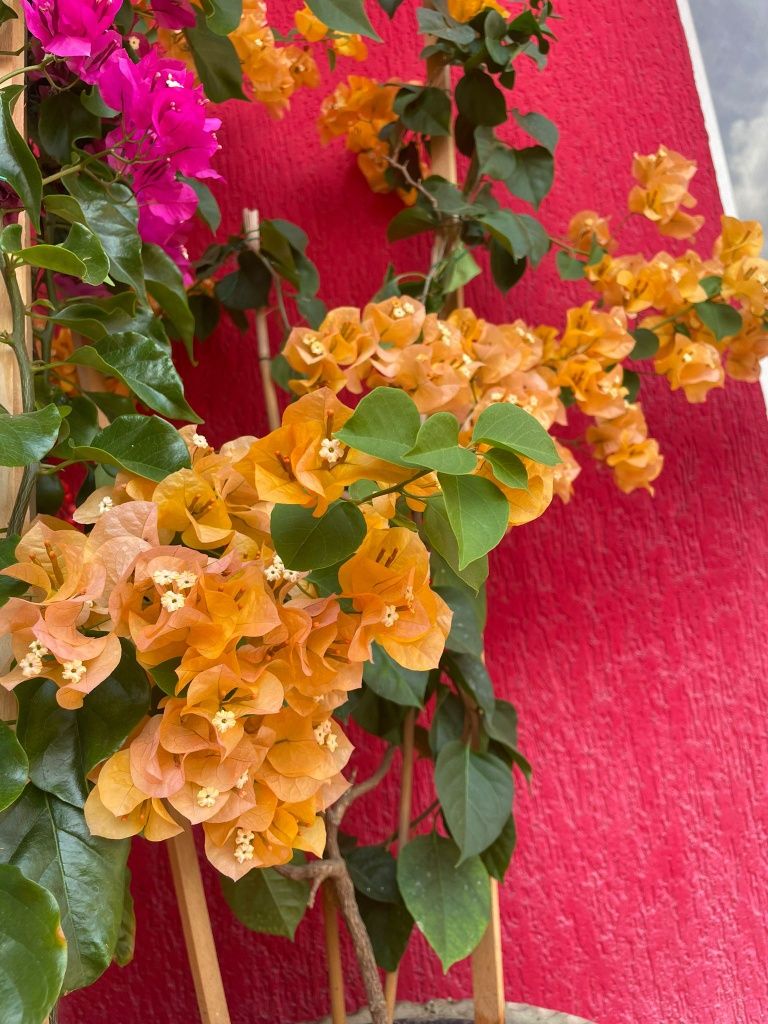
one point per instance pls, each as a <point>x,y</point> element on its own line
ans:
<point>340,808</point>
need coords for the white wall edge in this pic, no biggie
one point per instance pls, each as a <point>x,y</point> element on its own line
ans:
<point>716,147</point>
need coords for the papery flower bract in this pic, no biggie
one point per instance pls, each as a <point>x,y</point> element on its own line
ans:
<point>388,583</point>
<point>70,28</point>
<point>692,365</point>
<point>623,444</point>
<point>663,179</point>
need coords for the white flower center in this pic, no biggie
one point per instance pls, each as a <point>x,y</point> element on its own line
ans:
<point>224,720</point>
<point>172,601</point>
<point>207,796</point>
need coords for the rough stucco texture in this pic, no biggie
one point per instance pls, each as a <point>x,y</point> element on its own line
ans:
<point>629,631</point>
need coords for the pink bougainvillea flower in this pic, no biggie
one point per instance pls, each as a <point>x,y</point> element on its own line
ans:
<point>173,14</point>
<point>70,28</point>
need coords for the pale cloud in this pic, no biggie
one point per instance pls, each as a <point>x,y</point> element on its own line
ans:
<point>748,161</point>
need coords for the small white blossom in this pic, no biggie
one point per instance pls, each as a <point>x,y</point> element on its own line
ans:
<point>30,666</point>
<point>390,616</point>
<point>105,505</point>
<point>73,671</point>
<point>331,450</point>
<point>224,720</point>
<point>186,580</point>
<point>172,601</point>
<point>207,796</point>
<point>199,441</point>
<point>164,577</point>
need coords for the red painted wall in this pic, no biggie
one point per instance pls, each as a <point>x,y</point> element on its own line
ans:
<point>631,632</point>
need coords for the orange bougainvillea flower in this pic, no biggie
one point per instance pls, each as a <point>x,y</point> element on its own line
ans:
<point>597,392</point>
<point>601,334</point>
<point>336,355</point>
<point>525,504</point>
<point>397,321</point>
<point>746,349</point>
<point>692,365</point>
<point>388,582</point>
<point>738,239</point>
<point>313,30</point>
<point>117,809</point>
<point>565,473</point>
<point>589,227</point>
<point>624,445</point>
<point>465,10</point>
<point>663,179</point>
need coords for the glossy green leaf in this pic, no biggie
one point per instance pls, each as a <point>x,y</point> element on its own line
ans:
<point>723,320</point>
<point>145,445</point>
<point>450,902</point>
<point>126,938</point>
<point>507,426</point>
<point>475,792</point>
<point>518,233</point>
<point>304,541</point>
<point>468,671</point>
<point>112,214</point>
<point>9,587</point>
<point>497,856</point>
<point>478,513</point>
<point>448,721</point>
<point>223,16</point>
<point>266,902</point>
<point>248,286</point>
<point>344,16</point>
<point>439,533</point>
<point>393,682</point>
<point>63,121</point>
<point>145,366</point>
<point>86,246</point>
<point>505,268</point>
<point>51,843</point>
<point>207,204</point>
<point>26,437</point>
<point>8,14</point>
<point>413,220</point>
<point>49,494</point>
<point>568,267</point>
<point>33,951</point>
<point>385,424</point>
<point>507,468</point>
<point>166,285</point>
<point>461,268</point>
<point>55,258</point>
<point>480,100</point>
<point>501,724</point>
<point>14,767</point>
<point>216,61</point>
<point>18,167</point>
<point>437,447</point>
<point>532,175</point>
<point>63,745</point>
<point>96,317</point>
<point>441,25</point>
<point>646,343</point>
<point>374,872</point>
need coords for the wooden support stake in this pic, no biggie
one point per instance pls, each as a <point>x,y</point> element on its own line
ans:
<point>488,969</point>
<point>196,924</point>
<point>333,954</point>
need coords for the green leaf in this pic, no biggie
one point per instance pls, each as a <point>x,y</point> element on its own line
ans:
<point>631,382</point>
<point>304,541</point>
<point>216,61</point>
<point>475,792</point>
<point>126,939</point>
<point>461,268</point>
<point>478,513</point>
<point>426,110</point>
<point>14,767</point>
<point>112,215</point>
<point>96,317</point>
<point>164,675</point>
<point>62,121</point>
<point>568,267</point>
<point>385,424</point>
<point>166,285</point>
<point>507,468</point>
<point>480,100</point>
<point>437,447</point>
<point>646,344</point>
<point>448,721</point>
<point>11,237</point>
<point>28,436</point>
<point>144,365</point>
<point>53,257</point>
<point>207,205</point>
<point>248,286</point>
<point>87,247</point>
<point>344,16</point>
<point>51,843</point>
<point>508,426</point>
<point>266,902</point>
<point>8,14</point>
<point>442,26</point>
<point>145,445</point>
<point>723,320</point>
<point>506,270</point>
<point>9,587</point>
<point>413,220</point>
<point>442,539</point>
<point>18,167</point>
<point>393,682</point>
<point>374,872</point>
<point>532,176</point>
<point>498,855</point>
<point>468,671</point>
<point>62,745</point>
<point>223,16</point>
<point>33,951</point>
<point>540,127</point>
<point>450,902</point>
<point>518,233</point>
<point>389,927</point>
<point>712,285</point>
<point>501,724</point>
<point>466,634</point>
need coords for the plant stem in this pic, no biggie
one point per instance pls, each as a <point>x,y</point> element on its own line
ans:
<point>17,341</point>
<point>392,489</point>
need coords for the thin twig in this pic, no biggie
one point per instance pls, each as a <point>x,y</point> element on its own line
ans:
<point>342,805</point>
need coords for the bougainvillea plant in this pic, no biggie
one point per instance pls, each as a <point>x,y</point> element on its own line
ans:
<point>190,645</point>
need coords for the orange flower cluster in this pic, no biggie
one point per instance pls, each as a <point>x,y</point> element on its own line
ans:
<point>358,109</point>
<point>252,658</point>
<point>273,73</point>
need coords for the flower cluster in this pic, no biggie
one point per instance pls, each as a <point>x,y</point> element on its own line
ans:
<point>185,571</point>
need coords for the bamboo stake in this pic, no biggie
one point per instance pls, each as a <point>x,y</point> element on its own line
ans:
<point>253,241</point>
<point>12,38</point>
<point>333,954</point>
<point>196,924</point>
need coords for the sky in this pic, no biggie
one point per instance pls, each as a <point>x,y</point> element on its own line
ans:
<point>733,35</point>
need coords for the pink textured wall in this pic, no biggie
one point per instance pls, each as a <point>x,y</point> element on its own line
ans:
<point>631,632</point>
